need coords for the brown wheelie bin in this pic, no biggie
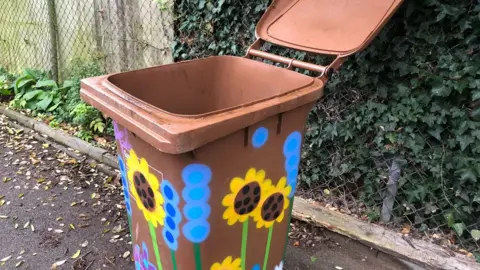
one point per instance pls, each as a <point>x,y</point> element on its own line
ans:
<point>209,149</point>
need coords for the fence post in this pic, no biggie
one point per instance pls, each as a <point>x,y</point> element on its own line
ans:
<point>52,23</point>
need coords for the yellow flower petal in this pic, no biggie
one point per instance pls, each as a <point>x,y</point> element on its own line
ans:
<point>236,263</point>
<point>260,175</point>
<point>236,184</point>
<point>250,177</point>
<point>282,183</point>
<point>228,200</point>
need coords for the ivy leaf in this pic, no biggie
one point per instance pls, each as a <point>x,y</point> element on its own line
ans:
<point>469,174</point>
<point>475,95</point>
<point>475,234</point>
<point>459,228</point>
<point>436,133</point>
<point>201,4</point>
<point>438,87</point>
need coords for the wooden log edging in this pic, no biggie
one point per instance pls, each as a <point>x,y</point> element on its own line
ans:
<point>420,252</point>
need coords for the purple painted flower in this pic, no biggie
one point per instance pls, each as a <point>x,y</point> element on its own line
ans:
<point>122,136</point>
<point>141,258</point>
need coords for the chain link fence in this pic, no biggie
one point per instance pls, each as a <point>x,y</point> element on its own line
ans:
<point>131,34</point>
<point>47,34</point>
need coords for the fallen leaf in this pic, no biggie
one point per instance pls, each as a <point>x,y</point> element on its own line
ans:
<point>76,254</point>
<point>40,180</point>
<point>84,244</point>
<point>58,231</point>
<point>2,196</point>
<point>73,204</point>
<point>32,228</point>
<point>406,229</point>
<point>18,264</point>
<point>5,259</point>
<point>126,254</point>
<point>26,224</point>
<point>20,195</point>
<point>313,259</point>
<point>338,267</point>
<point>72,226</point>
<point>3,217</point>
<point>2,202</point>
<point>58,218</point>
<point>55,265</point>
<point>296,243</point>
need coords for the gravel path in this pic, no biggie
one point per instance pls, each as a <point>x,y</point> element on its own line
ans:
<point>59,212</point>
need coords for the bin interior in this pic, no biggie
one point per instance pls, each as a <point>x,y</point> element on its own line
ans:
<point>208,85</point>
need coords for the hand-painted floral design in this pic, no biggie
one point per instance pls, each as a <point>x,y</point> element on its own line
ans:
<point>228,264</point>
<point>126,194</point>
<point>121,135</point>
<point>173,215</point>
<point>279,266</point>
<point>256,267</point>
<point>144,188</point>
<point>141,258</point>
<point>273,203</point>
<point>260,137</point>
<point>196,195</point>
<point>291,151</point>
<point>245,196</point>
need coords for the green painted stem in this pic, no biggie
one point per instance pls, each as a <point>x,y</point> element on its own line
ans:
<point>198,257</point>
<point>130,227</point>
<point>174,260</point>
<point>244,244</point>
<point>288,231</point>
<point>267,249</point>
<point>153,235</point>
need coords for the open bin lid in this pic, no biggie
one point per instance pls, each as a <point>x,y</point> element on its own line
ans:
<point>338,27</point>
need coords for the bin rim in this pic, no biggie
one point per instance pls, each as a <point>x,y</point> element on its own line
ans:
<point>175,134</point>
<point>329,27</point>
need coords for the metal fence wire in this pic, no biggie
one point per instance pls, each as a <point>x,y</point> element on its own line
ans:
<point>132,34</point>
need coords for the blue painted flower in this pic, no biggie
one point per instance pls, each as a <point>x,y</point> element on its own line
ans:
<point>291,151</point>
<point>260,137</point>
<point>292,144</point>
<point>196,195</point>
<point>256,267</point>
<point>141,258</point>
<point>173,215</point>
<point>126,195</point>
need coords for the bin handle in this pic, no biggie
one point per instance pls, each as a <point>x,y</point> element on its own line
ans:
<point>325,71</point>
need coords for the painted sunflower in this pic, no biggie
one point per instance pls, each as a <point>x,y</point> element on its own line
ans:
<point>245,196</point>
<point>227,264</point>
<point>144,187</point>
<point>273,204</point>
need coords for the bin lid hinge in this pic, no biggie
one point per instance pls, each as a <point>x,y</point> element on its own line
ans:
<point>324,71</point>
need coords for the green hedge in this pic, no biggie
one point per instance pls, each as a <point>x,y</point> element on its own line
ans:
<point>411,96</point>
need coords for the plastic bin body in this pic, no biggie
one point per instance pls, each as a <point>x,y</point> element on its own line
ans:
<point>221,195</point>
<point>209,149</point>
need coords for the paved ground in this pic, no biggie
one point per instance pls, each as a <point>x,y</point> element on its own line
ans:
<point>59,209</point>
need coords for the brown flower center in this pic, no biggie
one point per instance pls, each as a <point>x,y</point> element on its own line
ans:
<point>273,207</point>
<point>144,191</point>
<point>247,198</point>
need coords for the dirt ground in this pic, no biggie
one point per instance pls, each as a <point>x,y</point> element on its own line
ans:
<point>59,212</point>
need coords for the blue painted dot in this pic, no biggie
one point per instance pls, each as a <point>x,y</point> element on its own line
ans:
<point>196,193</point>
<point>194,211</point>
<point>170,210</point>
<point>168,192</point>
<point>256,267</point>
<point>260,137</point>
<point>169,237</point>
<point>292,143</point>
<point>196,174</point>
<point>196,231</point>
<point>171,224</point>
